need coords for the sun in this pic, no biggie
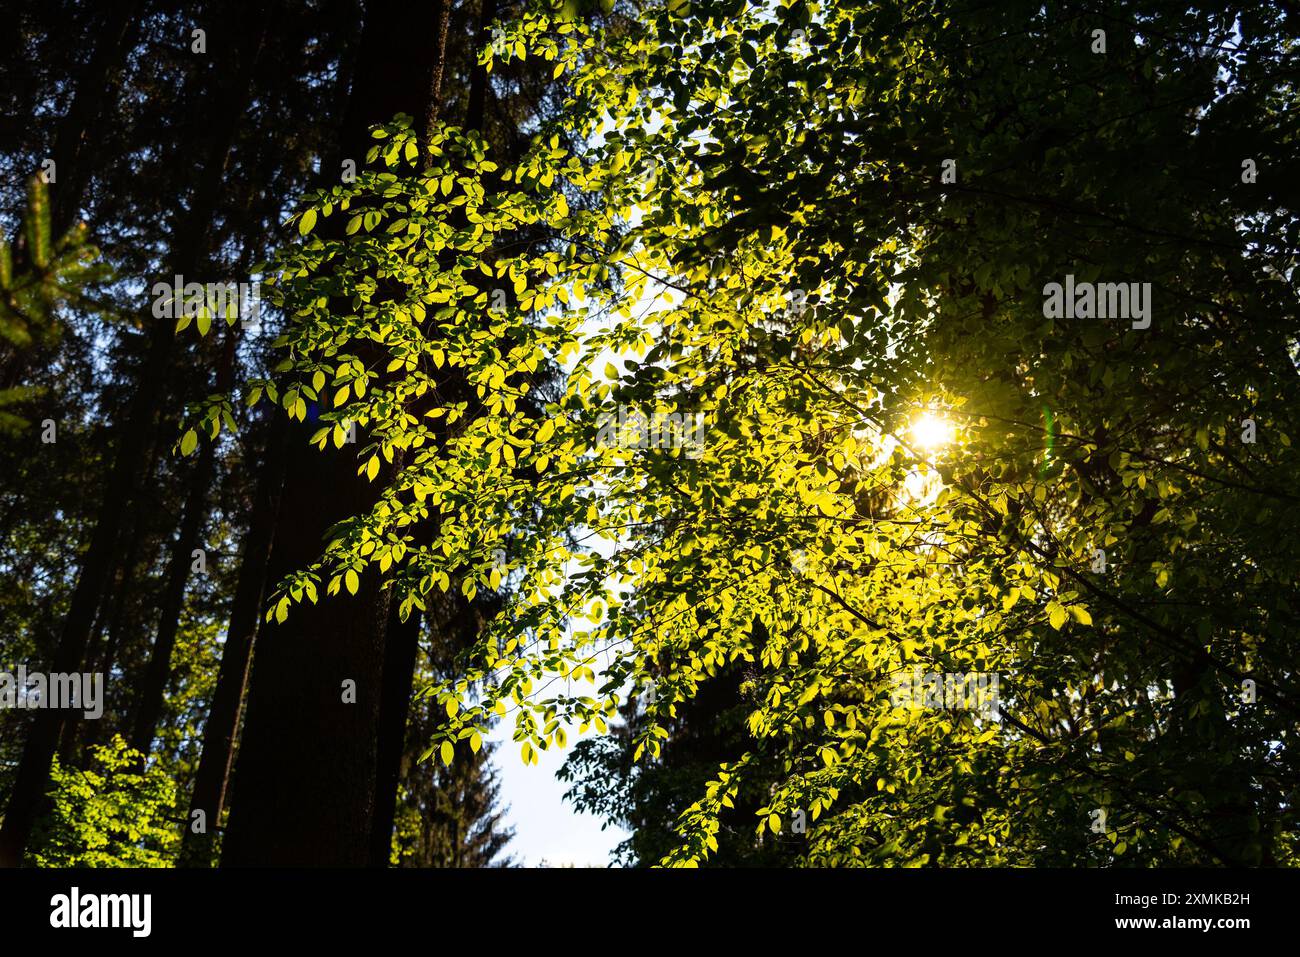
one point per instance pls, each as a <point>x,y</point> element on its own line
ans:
<point>932,432</point>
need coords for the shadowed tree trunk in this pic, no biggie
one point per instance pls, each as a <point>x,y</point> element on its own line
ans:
<point>152,688</point>
<point>403,639</point>
<point>305,786</point>
<point>150,694</point>
<point>212,779</point>
<point>401,646</point>
<point>95,89</point>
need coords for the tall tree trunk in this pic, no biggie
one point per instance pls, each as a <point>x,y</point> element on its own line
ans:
<point>403,639</point>
<point>151,691</point>
<point>221,729</point>
<point>94,90</point>
<point>401,646</point>
<point>447,619</point>
<point>70,744</point>
<point>79,735</point>
<point>478,84</point>
<point>304,790</point>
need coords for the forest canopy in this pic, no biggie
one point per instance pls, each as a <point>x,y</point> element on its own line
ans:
<point>864,428</point>
<point>827,230</point>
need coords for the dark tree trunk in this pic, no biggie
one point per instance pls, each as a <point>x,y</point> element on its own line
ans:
<point>152,688</point>
<point>95,89</point>
<point>70,741</point>
<point>478,84</point>
<point>79,735</point>
<point>401,646</point>
<point>221,729</point>
<point>151,692</point>
<point>403,638</point>
<point>305,786</point>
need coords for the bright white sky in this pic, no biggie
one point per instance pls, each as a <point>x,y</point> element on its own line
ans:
<point>547,828</point>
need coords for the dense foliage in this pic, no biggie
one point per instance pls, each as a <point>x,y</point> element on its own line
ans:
<point>862,428</point>
<point>830,230</point>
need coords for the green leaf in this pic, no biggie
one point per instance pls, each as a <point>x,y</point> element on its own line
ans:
<point>1056,615</point>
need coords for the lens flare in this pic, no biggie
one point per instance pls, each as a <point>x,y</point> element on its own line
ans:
<point>932,432</point>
